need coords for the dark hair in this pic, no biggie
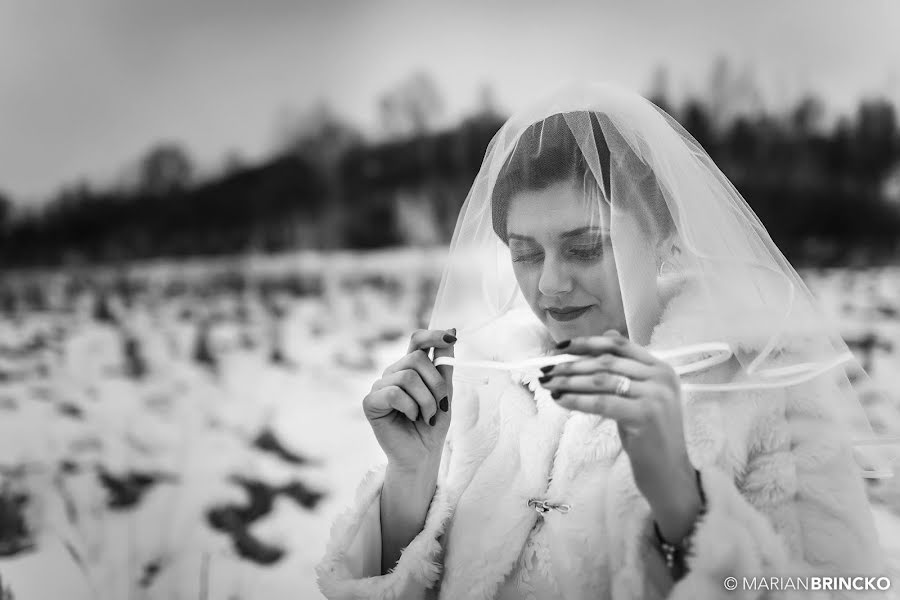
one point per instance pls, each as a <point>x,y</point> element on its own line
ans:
<point>548,153</point>
<point>545,154</point>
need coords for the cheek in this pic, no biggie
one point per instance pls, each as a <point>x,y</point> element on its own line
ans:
<point>600,280</point>
<point>528,278</point>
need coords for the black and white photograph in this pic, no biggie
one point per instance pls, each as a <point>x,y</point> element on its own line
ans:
<point>394,300</point>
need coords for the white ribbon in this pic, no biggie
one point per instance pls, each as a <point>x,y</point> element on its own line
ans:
<point>720,352</point>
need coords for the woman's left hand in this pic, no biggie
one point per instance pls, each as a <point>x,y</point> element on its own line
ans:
<point>648,416</point>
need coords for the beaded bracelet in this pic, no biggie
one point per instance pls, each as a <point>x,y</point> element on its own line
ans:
<point>675,554</point>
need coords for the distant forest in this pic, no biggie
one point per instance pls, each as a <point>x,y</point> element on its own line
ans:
<point>828,194</point>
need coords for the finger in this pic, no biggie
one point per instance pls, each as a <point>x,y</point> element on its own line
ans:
<point>423,339</point>
<point>446,372</point>
<point>383,401</point>
<point>420,362</point>
<point>602,344</point>
<point>598,383</point>
<point>410,382</point>
<point>607,363</point>
<point>614,407</point>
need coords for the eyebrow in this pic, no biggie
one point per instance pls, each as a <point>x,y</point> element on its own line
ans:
<point>565,235</point>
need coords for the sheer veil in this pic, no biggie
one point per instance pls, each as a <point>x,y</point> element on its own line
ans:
<point>649,181</point>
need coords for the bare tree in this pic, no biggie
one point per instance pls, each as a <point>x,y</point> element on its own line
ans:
<point>164,169</point>
<point>5,210</point>
<point>411,108</point>
<point>316,134</point>
<point>659,93</point>
<point>806,117</point>
<point>731,93</point>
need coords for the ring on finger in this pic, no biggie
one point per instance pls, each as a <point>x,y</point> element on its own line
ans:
<point>624,385</point>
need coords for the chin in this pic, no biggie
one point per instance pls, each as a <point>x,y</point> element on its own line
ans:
<point>580,328</point>
<point>567,330</point>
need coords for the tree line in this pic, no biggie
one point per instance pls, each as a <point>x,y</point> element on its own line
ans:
<point>819,189</point>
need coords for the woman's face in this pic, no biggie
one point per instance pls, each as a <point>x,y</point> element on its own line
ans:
<point>563,261</point>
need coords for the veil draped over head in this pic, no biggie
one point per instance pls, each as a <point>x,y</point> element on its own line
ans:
<point>671,218</point>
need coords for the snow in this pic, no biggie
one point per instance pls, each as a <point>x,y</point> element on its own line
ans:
<point>194,425</point>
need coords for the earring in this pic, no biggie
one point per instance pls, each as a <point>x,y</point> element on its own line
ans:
<point>662,265</point>
<point>675,251</point>
<point>668,266</point>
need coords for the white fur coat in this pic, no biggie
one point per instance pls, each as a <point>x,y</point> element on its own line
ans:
<point>507,439</point>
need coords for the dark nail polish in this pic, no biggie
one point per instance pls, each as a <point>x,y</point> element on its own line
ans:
<point>555,395</point>
<point>444,404</point>
<point>432,420</point>
<point>449,338</point>
<point>564,344</point>
<point>547,369</point>
<point>545,378</point>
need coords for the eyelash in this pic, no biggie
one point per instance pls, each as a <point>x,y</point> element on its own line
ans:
<point>588,252</point>
<point>584,253</point>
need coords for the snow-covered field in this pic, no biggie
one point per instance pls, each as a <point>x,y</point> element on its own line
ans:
<point>194,434</point>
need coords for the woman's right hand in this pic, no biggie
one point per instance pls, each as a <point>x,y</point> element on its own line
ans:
<point>409,407</point>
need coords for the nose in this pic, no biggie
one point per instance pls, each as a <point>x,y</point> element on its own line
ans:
<point>555,280</point>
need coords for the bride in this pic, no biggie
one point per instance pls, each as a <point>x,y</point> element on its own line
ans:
<point>625,391</point>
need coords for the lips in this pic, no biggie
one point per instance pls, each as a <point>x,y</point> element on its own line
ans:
<point>567,313</point>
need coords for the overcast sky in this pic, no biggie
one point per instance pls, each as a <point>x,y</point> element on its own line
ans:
<point>87,86</point>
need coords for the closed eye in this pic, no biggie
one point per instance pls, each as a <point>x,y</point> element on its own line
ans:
<point>587,252</point>
<point>528,257</point>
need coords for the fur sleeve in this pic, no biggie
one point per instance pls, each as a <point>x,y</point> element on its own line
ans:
<point>797,508</point>
<point>351,567</point>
